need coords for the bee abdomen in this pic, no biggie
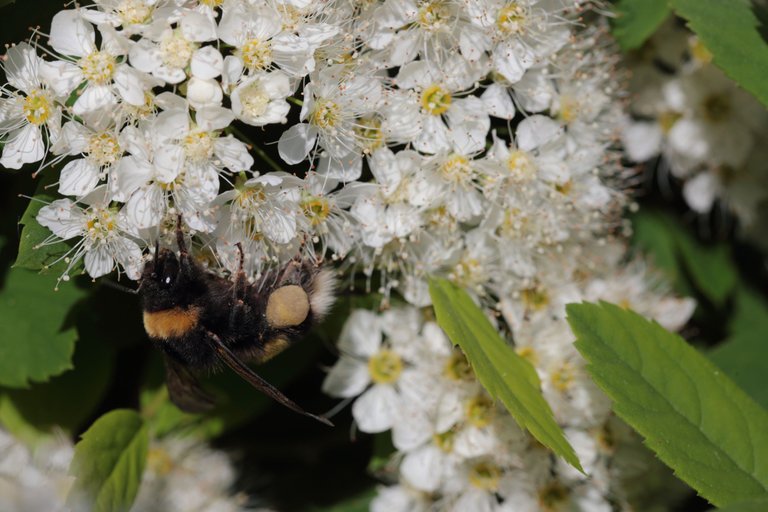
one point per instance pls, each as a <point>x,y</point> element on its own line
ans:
<point>171,323</point>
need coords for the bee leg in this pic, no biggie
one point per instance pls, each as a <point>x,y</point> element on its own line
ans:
<point>238,290</point>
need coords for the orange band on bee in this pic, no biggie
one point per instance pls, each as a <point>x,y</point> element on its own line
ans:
<point>171,323</point>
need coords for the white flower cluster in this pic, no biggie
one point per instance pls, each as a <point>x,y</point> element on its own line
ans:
<point>706,128</point>
<point>181,475</point>
<point>404,174</point>
<point>457,450</point>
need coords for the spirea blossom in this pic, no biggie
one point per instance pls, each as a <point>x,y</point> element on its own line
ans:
<point>707,130</point>
<point>474,141</point>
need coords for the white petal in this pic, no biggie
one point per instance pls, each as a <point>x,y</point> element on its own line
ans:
<point>25,147</point>
<point>99,261</point>
<point>169,159</point>
<point>129,85</point>
<point>207,63</point>
<point>536,131</point>
<point>423,468</point>
<point>213,118</point>
<point>78,178</point>
<point>701,191</point>
<point>71,34</point>
<point>498,102</point>
<point>145,56</point>
<point>413,429</point>
<point>642,140</point>
<point>21,67</point>
<point>94,97</point>
<point>278,226</point>
<point>203,93</point>
<point>376,409</point>
<point>433,137</point>
<point>296,142</point>
<point>62,77</point>
<point>171,125</point>
<point>128,175</point>
<point>146,207</point>
<point>63,218</point>
<point>469,125</point>
<point>197,26</point>
<point>511,60</point>
<point>348,377</point>
<point>233,154</point>
<point>346,168</point>
<point>361,335</point>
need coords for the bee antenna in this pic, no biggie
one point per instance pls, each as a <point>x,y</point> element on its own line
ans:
<point>118,286</point>
<point>157,253</point>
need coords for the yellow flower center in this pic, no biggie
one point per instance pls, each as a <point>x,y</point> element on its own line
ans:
<point>535,298</point>
<point>444,441</point>
<point>668,119</point>
<point>134,11</point>
<point>159,461</point>
<point>369,132</point>
<point>325,114</point>
<point>316,209</point>
<point>100,222</point>
<point>212,3</point>
<point>435,100</point>
<point>251,196</point>
<point>103,149</point>
<point>176,50</point>
<point>257,54</point>
<point>552,496</point>
<point>569,109</point>
<point>457,367</point>
<point>562,378</point>
<point>198,146</point>
<point>521,166</point>
<point>254,99</point>
<point>434,15</point>
<point>385,367</point>
<point>511,18</point>
<point>485,476</point>
<point>98,67</point>
<point>37,106</point>
<point>529,354</point>
<point>480,411</point>
<point>456,170</point>
<point>564,188</point>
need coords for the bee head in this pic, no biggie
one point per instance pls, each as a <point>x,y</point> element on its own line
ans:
<point>164,284</point>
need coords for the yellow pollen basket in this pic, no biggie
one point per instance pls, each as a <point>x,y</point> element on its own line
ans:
<point>256,54</point>
<point>98,67</point>
<point>37,107</point>
<point>485,475</point>
<point>435,100</point>
<point>385,367</point>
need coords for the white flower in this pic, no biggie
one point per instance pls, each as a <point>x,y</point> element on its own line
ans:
<point>261,99</point>
<point>104,69</point>
<point>105,235</point>
<point>27,113</point>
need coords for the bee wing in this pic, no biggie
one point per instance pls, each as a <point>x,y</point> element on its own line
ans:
<point>184,389</point>
<point>262,385</point>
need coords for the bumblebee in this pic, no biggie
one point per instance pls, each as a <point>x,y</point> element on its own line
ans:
<point>200,320</point>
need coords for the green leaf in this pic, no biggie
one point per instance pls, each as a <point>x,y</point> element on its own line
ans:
<point>746,506</point>
<point>730,31</point>
<point>109,462</point>
<point>67,400</point>
<point>744,355</point>
<point>694,417</point>
<point>505,375</point>
<point>676,253</point>
<point>637,20</point>
<point>34,342</point>
<point>33,254</point>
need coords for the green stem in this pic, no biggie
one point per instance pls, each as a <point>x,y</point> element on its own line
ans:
<point>295,101</point>
<point>256,149</point>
